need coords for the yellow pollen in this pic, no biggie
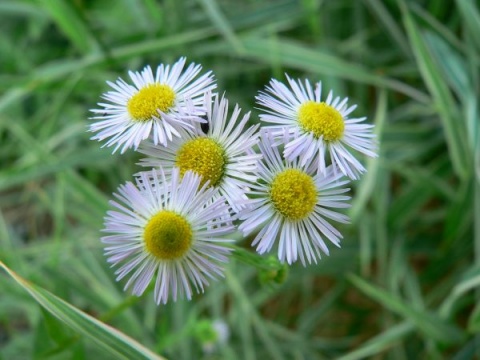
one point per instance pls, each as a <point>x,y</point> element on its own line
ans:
<point>321,119</point>
<point>167,236</point>
<point>145,104</point>
<point>205,157</point>
<point>293,194</point>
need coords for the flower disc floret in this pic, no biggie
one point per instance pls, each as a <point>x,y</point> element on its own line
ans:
<point>167,235</point>
<point>322,120</point>
<point>203,156</point>
<point>222,154</point>
<point>293,194</point>
<point>145,104</point>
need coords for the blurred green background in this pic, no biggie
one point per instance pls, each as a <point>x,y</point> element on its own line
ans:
<point>404,285</point>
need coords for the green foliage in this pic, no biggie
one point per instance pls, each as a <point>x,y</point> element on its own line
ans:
<point>106,337</point>
<point>405,283</point>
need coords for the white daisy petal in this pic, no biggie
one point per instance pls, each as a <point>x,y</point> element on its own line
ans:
<point>291,206</point>
<point>316,128</point>
<point>174,232</point>
<point>162,106</point>
<point>223,155</point>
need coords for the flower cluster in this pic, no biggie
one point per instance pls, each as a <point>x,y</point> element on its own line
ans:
<point>208,173</point>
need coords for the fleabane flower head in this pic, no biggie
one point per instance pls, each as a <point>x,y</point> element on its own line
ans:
<point>291,204</point>
<point>164,105</point>
<point>170,230</point>
<point>316,127</point>
<point>222,155</point>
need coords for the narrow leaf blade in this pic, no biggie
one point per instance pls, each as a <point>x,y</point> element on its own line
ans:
<point>109,338</point>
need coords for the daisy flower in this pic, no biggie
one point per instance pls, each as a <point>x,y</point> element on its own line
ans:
<point>316,126</point>
<point>168,230</point>
<point>222,155</point>
<point>165,105</point>
<point>290,204</point>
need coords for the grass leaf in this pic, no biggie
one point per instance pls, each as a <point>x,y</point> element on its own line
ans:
<point>67,18</point>
<point>112,340</point>
<point>426,322</point>
<point>448,111</point>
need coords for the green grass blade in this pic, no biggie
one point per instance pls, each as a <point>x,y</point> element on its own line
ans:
<point>443,99</point>
<point>368,183</point>
<point>55,70</point>
<point>432,326</point>
<point>110,339</point>
<point>470,281</point>
<point>474,320</point>
<point>442,29</point>
<point>471,18</point>
<point>302,57</point>
<point>256,322</point>
<point>380,343</point>
<point>68,20</point>
<point>14,7</point>
<point>215,14</point>
<point>451,64</point>
<point>386,19</point>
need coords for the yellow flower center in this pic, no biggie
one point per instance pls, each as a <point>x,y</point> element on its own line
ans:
<point>205,157</point>
<point>293,194</point>
<point>321,119</point>
<point>145,104</point>
<point>167,236</point>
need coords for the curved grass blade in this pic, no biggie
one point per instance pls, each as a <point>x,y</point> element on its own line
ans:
<point>301,56</point>
<point>430,324</point>
<point>442,97</point>
<point>112,340</point>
